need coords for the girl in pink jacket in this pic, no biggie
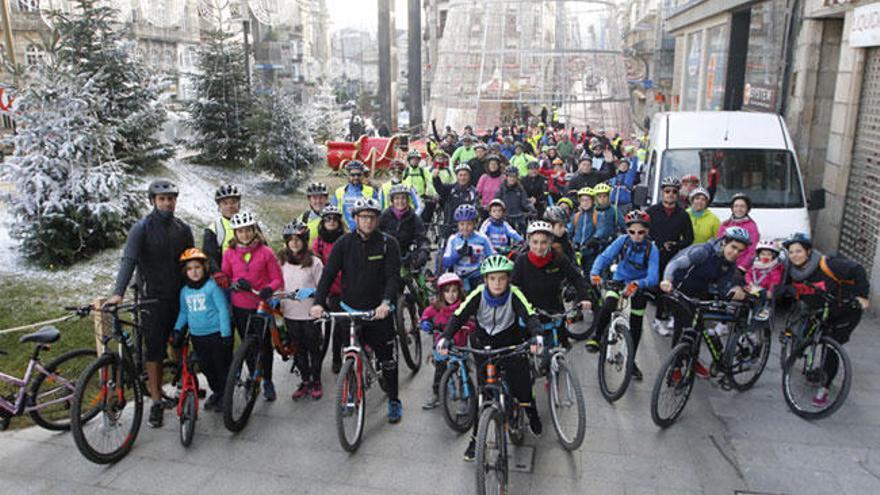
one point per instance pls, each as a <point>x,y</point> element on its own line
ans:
<point>765,275</point>
<point>252,266</point>
<point>740,206</point>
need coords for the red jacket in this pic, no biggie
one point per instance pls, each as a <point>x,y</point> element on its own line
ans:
<point>261,270</point>
<point>322,250</point>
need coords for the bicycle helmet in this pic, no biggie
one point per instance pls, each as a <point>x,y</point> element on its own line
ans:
<point>533,165</point>
<point>567,202</point>
<point>637,216</point>
<point>496,264</point>
<point>356,165</point>
<point>493,158</point>
<point>558,161</point>
<point>539,226</point>
<point>448,279</point>
<point>365,205</point>
<point>330,210</point>
<point>497,202</point>
<point>798,238</point>
<point>441,156</point>
<point>511,170</point>
<point>602,188</point>
<point>743,197</point>
<point>413,154</point>
<point>242,219</point>
<point>673,182</point>
<point>698,191</point>
<point>586,191</point>
<point>555,214</point>
<point>738,234</point>
<point>193,254</point>
<point>465,213</point>
<point>481,146</point>
<point>317,189</point>
<point>767,245</point>
<point>462,166</point>
<point>397,164</point>
<point>296,228</point>
<point>519,144</point>
<point>691,179</point>
<point>227,191</point>
<point>162,186</point>
<point>398,189</point>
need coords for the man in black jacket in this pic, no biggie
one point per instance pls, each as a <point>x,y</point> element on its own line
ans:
<point>454,195</point>
<point>586,176</point>
<point>535,185</point>
<point>369,262</point>
<point>153,247</point>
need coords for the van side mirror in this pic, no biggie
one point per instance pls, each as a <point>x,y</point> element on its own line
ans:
<point>816,200</point>
<point>640,196</point>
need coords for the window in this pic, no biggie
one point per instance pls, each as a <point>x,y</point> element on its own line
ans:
<point>29,5</point>
<point>716,67</point>
<point>691,76</point>
<point>33,55</point>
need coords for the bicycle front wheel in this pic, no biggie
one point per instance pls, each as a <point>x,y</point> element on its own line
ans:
<point>189,413</point>
<point>106,411</point>
<point>616,360</point>
<point>242,385</point>
<point>673,386</point>
<point>567,407</point>
<point>747,357</point>
<point>491,453</point>
<point>458,398</point>
<point>408,332</point>
<point>52,393</point>
<point>814,369</point>
<point>350,402</point>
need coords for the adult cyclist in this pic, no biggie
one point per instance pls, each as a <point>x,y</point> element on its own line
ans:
<point>347,195</point>
<point>218,235</point>
<point>419,178</point>
<point>318,197</point>
<point>400,221</point>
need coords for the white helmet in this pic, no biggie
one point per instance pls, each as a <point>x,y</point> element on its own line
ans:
<point>242,219</point>
<point>539,226</point>
<point>769,245</point>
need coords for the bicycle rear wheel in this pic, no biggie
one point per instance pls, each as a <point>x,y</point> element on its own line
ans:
<point>567,407</point>
<point>491,453</point>
<point>408,332</point>
<point>350,406</point>
<point>458,398</point>
<point>747,356</point>
<point>242,385</point>
<point>673,386</point>
<point>189,413</point>
<point>823,364</point>
<point>616,360</point>
<point>53,393</point>
<point>111,396</point>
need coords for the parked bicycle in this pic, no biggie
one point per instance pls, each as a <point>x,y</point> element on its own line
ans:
<point>740,361</point>
<point>616,351</point>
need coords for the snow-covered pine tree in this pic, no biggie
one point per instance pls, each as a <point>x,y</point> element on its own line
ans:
<point>89,43</point>
<point>326,121</point>
<point>222,106</point>
<point>284,147</point>
<point>71,198</point>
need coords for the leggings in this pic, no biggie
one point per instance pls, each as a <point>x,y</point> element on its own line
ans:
<point>636,315</point>
<point>240,318</point>
<point>214,359</point>
<point>308,351</point>
<point>842,326</point>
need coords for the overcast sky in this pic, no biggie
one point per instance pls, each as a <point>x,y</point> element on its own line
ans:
<point>362,14</point>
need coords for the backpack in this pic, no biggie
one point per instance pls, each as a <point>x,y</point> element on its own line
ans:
<point>627,244</point>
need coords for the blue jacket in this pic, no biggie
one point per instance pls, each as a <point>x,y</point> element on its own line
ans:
<point>632,266</point>
<point>205,310</point>
<point>609,223</point>
<point>500,233</point>
<point>581,226</point>
<point>467,266</point>
<point>350,195</point>
<point>508,151</point>
<point>622,184</point>
<point>701,269</point>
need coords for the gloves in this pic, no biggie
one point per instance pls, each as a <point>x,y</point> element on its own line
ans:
<point>426,326</point>
<point>266,293</point>
<point>596,280</point>
<point>221,279</point>
<point>242,284</point>
<point>465,250</point>
<point>304,293</point>
<point>176,339</point>
<point>631,289</point>
<point>227,341</point>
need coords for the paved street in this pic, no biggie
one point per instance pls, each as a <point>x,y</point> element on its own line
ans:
<point>724,443</point>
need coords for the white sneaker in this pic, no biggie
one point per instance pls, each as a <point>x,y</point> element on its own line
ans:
<point>660,328</point>
<point>671,323</point>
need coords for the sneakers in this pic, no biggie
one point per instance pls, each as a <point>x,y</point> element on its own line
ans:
<point>395,411</point>
<point>701,370</point>
<point>660,328</point>
<point>471,452</point>
<point>156,414</point>
<point>670,324</point>
<point>763,315</point>
<point>535,425</point>
<point>269,391</point>
<point>592,345</point>
<point>302,391</point>
<point>432,402</point>
<point>317,391</point>
<point>636,373</point>
<point>821,398</point>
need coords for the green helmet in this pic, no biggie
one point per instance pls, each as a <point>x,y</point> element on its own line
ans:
<point>495,263</point>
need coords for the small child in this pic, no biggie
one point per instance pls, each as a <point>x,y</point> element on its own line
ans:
<point>205,310</point>
<point>467,249</point>
<point>499,231</point>
<point>434,319</point>
<point>765,275</point>
<point>302,271</point>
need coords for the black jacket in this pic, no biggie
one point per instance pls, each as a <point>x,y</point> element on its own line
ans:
<point>853,282</point>
<point>675,228</point>
<point>543,286</point>
<point>580,181</point>
<point>409,230</point>
<point>370,270</point>
<point>154,246</point>
<point>536,187</point>
<point>478,168</point>
<point>452,196</point>
<point>515,199</point>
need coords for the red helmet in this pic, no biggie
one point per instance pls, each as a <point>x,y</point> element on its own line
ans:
<point>637,216</point>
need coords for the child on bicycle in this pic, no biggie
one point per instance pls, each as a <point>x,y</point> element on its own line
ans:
<point>301,271</point>
<point>639,267</point>
<point>558,220</point>
<point>764,276</point>
<point>500,233</point>
<point>466,249</point>
<point>252,265</point>
<point>582,228</point>
<point>205,310</point>
<point>497,307</point>
<point>332,228</point>
<point>434,319</point>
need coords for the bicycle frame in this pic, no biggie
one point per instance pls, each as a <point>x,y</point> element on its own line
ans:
<point>19,407</point>
<point>702,313</point>
<point>187,378</point>
<point>460,360</point>
<point>354,350</point>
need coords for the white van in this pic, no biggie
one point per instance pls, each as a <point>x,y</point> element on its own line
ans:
<point>751,153</point>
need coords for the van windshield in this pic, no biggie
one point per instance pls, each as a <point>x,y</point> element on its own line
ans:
<point>769,177</point>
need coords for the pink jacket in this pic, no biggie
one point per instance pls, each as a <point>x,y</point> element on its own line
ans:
<point>745,259</point>
<point>298,277</point>
<point>766,278</point>
<point>261,270</point>
<point>487,187</point>
<point>440,317</point>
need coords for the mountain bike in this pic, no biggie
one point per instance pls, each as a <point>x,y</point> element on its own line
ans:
<point>616,348</point>
<point>740,361</point>
<point>458,396</point>
<point>45,392</point>
<point>816,360</point>
<point>414,298</point>
<point>565,396</point>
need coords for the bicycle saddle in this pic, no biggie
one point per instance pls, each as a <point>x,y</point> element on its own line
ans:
<point>45,335</point>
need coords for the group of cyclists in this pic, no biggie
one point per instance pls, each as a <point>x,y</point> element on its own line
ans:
<point>524,220</point>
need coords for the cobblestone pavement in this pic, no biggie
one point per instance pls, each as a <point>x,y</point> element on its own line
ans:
<point>725,442</point>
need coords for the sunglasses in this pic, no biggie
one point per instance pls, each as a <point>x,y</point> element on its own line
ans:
<point>355,175</point>
<point>670,191</point>
<point>637,232</point>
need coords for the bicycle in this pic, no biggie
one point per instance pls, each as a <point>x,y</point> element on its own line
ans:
<point>740,361</point>
<point>352,383</point>
<point>616,347</point>
<point>108,386</point>
<point>45,392</point>
<point>813,358</point>
<point>414,298</point>
<point>188,402</point>
<point>246,371</point>
<point>565,394</point>
<point>458,398</point>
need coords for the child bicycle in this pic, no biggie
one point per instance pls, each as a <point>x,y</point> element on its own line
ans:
<point>415,296</point>
<point>458,396</point>
<point>740,361</point>
<point>616,352</point>
<point>188,402</point>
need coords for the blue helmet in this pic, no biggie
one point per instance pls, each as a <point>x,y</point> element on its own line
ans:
<point>798,238</point>
<point>738,234</point>
<point>465,213</point>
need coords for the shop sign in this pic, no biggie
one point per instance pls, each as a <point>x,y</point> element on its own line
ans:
<point>759,97</point>
<point>865,30</point>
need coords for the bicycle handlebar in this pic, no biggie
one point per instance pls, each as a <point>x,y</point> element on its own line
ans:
<point>501,351</point>
<point>556,316</point>
<point>710,305</point>
<point>113,309</point>
<point>353,315</point>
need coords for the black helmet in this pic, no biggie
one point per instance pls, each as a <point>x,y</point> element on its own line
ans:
<point>162,186</point>
<point>296,228</point>
<point>227,191</point>
<point>316,189</point>
<point>555,214</point>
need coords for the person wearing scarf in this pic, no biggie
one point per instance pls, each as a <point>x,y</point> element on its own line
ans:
<point>740,206</point>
